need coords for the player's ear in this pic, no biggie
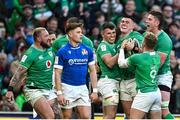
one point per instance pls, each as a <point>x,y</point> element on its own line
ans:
<point>70,34</point>
<point>102,34</point>
<point>157,22</point>
<point>39,39</point>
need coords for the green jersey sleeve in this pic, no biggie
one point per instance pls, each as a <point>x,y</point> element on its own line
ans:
<point>88,42</point>
<point>132,60</point>
<point>103,49</point>
<point>27,59</point>
<point>55,46</point>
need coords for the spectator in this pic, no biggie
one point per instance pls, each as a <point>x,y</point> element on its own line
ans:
<point>129,11</point>
<point>5,105</point>
<point>52,25</point>
<point>174,32</point>
<point>4,69</point>
<point>167,12</point>
<point>41,11</point>
<point>28,19</point>
<point>176,7</point>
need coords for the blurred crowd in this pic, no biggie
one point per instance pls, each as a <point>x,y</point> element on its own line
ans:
<point>18,18</point>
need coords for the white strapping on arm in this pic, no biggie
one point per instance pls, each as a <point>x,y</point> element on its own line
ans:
<point>123,63</point>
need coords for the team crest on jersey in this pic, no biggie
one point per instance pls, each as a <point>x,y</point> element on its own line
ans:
<point>48,63</point>
<point>84,52</point>
<point>50,53</point>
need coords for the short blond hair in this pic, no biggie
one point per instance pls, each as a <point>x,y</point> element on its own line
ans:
<point>37,32</point>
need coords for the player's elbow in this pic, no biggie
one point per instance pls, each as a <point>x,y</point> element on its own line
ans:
<point>122,64</point>
<point>110,65</point>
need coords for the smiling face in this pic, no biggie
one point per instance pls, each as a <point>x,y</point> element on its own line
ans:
<point>151,23</point>
<point>44,39</point>
<point>126,25</point>
<point>109,35</point>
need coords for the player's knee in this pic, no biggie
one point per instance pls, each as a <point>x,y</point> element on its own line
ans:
<point>50,115</point>
<point>112,100</point>
<point>85,116</point>
<point>66,116</point>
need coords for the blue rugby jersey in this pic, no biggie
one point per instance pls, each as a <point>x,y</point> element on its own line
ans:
<point>74,61</point>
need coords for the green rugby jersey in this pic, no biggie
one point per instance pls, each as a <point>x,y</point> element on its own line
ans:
<point>63,40</point>
<point>147,65</point>
<point>164,45</point>
<point>128,73</point>
<point>103,49</point>
<point>39,65</point>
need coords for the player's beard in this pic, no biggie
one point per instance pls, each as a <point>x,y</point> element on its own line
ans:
<point>45,45</point>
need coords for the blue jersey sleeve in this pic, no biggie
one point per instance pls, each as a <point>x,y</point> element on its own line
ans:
<point>59,62</point>
<point>91,57</point>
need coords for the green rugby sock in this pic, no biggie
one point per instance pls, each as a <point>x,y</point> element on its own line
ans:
<point>169,116</point>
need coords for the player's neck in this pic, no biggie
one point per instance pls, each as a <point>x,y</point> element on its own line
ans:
<point>38,46</point>
<point>156,31</point>
<point>148,50</point>
<point>74,44</point>
<point>125,34</point>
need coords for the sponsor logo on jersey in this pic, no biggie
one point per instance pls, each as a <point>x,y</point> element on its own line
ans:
<point>84,52</point>
<point>77,61</point>
<point>48,63</point>
<point>24,58</point>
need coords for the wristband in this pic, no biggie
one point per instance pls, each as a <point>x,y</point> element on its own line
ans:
<point>59,92</point>
<point>95,90</point>
<point>10,88</point>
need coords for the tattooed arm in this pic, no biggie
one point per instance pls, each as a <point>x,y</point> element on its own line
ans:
<point>14,82</point>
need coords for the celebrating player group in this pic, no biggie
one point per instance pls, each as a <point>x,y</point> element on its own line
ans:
<point>134,71</point>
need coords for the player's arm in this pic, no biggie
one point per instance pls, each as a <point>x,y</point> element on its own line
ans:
<point>106,56</point>
<point>17,75</point>
<point>93,77</point>
<point>58,65</point>
<point>14,81</point>
<point>164,49</point>
<point>110,60</point>
<point>58,87</point>
<point>163,57</point>
<point>122,62</point>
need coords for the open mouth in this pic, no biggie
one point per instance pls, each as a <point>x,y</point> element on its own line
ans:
<point>124,27</point>
<point>147,25</point>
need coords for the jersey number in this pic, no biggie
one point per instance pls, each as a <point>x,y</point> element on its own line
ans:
<point>153,75</point>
